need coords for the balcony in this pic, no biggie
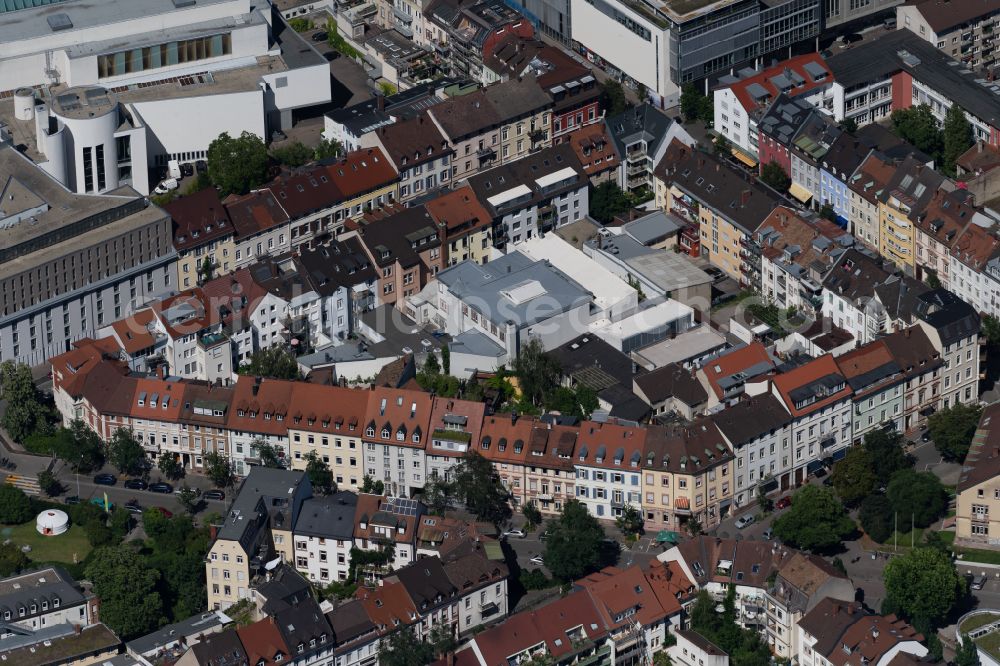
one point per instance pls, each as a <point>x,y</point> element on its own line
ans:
<point>638,168</point>
<point>486,154</point>
<point>212,340</point>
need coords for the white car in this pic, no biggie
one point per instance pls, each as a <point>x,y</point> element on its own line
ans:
<point>514,533</point>
<point>166,186</point>
<point>537,559</point>
<point>744,521</point>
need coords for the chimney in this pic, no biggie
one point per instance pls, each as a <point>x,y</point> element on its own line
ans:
<point>744,197</point>
<point>213,532</point>
<point>513,416</point>
<point>161,372</point>
<point>380,102</point>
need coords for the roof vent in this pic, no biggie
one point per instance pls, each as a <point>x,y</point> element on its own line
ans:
<point>183,3</point>
<point>59,22</point>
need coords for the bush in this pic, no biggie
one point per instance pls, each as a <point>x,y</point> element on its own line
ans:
<point>99,534</point>
<point>534,579</point>
<point>15,507</point>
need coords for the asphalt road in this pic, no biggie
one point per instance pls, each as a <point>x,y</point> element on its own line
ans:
<point>86,489</point>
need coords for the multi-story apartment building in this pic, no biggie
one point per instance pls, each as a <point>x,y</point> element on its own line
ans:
<point>534,195</point>
<point>818,397</point>
<point>870,178</point>
<point>466,33</point>
<point>73,263</point>
<point>877,383</point>
<point>455,427</point>
<point>203,237</point>
<point>609,468</point>
<point>974,268</point>
<point>641,137</point>
<point>418,151</point>
<point>495,125</point>
<point>758,430</point>
<point>952,327</point>
<point>324,536</point>
<point>259,415</point>
<point>396,424</point>
<point>741,100</point>
<point>404,246</point>
<point>328,422</point>
<point>904,200</point>
<point>977,511</point>
<point>728,208</point>
<point>938,228</point>
<point>465,224</point>
<point>42,599</point>
<point>922,367</point>
<point>965,32</point>
<point>835,628</point>
<point>269,498</point>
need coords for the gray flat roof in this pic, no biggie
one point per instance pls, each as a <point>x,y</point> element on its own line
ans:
<point>330,517</point>
<point>474,342</point>
<point>173,633</point>
<point>33,22</point>
<point>653,228</point>
<point>511,289</point>
<point>686,346</point>
<point>669,270</point>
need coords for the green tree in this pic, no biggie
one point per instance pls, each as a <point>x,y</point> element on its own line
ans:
<point>531,513</point>
<point>98,533</point>
<point>918,126</point>
<point>849,125</point>
<point>608,200</point>
<point>435,496</point>
<point>536,371</point>
<point>630,522</point>
<point>236,165</point>
<point>957,137</point>
<point>267,453</point>
<point>327,148</point>
<point>126,454</point>
<point>403,648</point>
<point>320,475</point>
<point>130,603</point>
<point>614,99</point>
<point>696,106</point>
<point>573,548</point>
<point>816,521</point>
<point>82,450</point>
<point>922,586</point>
<point>886,453</point>
<point>188,499</point>
<point>918,496</point>
<point>952,430</point>
<point>967,654</point>
<point>25,413</point>
<point>120,522</point>
<point>274,362</point>
<point>219,469</point>
<point>294,154</point>
<point>853,477</point>
<point>476,483</point>
<point>774,175</point>
<point>431,365</point>
<point>372,486</point>
<point>581,401</point>
<point>932,279</point>
<point>15,507</point>
<point>991,329</point>
<point>49,484</point>
<point>828,213</point>
<point>12,560</point>
<point>445,359</point>
<point>876,517</point>
<point>206,271</point>
<point>300,24</point>
<point>170,466</point>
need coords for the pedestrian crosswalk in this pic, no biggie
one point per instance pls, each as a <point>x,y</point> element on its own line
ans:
<point>28,484</point>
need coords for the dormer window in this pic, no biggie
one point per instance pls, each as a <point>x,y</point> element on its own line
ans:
<point>370,431</point>
<point>385,433</point>
<point>301,648</point>
<point>416,438</point>
<point>55,602</point>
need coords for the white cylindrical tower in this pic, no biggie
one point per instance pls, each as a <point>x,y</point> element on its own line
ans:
<point>24,103</point>
<point>90,115</point>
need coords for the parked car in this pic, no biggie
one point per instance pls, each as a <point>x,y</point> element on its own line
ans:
<point>744,521</point>
<point>166,186</point>
<point>161,487</point>
<point>72,499</point>
<point>135,484</point>
<point>105,479</point>
<point>332,55</point>
<point>99,501</point>
<point>783,503</point>
<point>514,533</point>
<point>978,581</point>
<point>320,36</point>
<point>187,170</point>
<point>926,437</point>
<point>214,495</point>
<point>768,534</point>
<point>537,559</point>
<point>132,506</point>
<point>544,535</point>
<point>201,166</point>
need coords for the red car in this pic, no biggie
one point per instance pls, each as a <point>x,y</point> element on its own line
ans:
<point>783,503</point>
<point>165,512</point>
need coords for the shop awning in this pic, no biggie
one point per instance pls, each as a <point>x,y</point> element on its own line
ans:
<point>800,193</point>
<point>743,157</point>
<point>666,536</point>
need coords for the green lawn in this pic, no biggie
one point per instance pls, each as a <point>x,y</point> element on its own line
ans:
<point>990,643</point>
<point>974,555</point>
<point>69,547</point>
<point>902,539</point>
<point>977,621</point>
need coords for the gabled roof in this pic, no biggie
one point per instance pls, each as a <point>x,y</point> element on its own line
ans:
<point>671,380</point>
<point>468,115</point>
<point>198,218</point>
<point>412,142</point>
<point>796,76</point>
<point>982,463</point>
<point>751,418</point>
<point>263,643</point>
<point>642,123</point>
<point>254,212</point>
<point>818,383</point>
<point>737,365</point>
<point>945,16</point>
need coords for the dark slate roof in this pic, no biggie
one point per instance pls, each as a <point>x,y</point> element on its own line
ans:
<point>427,583</point>
<point>330,517</point>
<point>899,295</point>
<point>526,171</point>
<point>349,621</point>
<point>336,264</point>
<point>222,649</point>
<point>172,633</point>
<point>366,116</point>
<point>302,623</point>
<point>902,50</point>
<point>882,139</point>
<point>784,117</point>
<point>35,587</point>
<point>643,122</point>
<point>953,318</point>
<point>856,275</point>
<point>286,587</point>
<point>592,362</point>
<point>672,380</point>
<point>982,463</point>
<point>749,419</point>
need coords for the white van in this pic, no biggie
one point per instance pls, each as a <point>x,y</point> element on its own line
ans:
<point>174,169</point>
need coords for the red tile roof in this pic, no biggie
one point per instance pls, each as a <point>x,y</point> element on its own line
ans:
<point>594,148</point>
<point>806,374</point>
<point>732,362</point>
<point>265,411</point>
<point>473,412</point>
<point>458,211</point>
<point>361,171</point>
<point>199,218</point>
<point>764,78</point>
<point>254,212</point>
<point>133,332</point>
<point>611,445</point>
<point>402,412</point>
<point>263,642</point>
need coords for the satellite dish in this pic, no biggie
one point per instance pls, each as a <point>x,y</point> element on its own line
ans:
<point>273,564</point>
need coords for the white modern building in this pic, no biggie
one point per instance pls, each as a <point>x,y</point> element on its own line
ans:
<point>102,91</point>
